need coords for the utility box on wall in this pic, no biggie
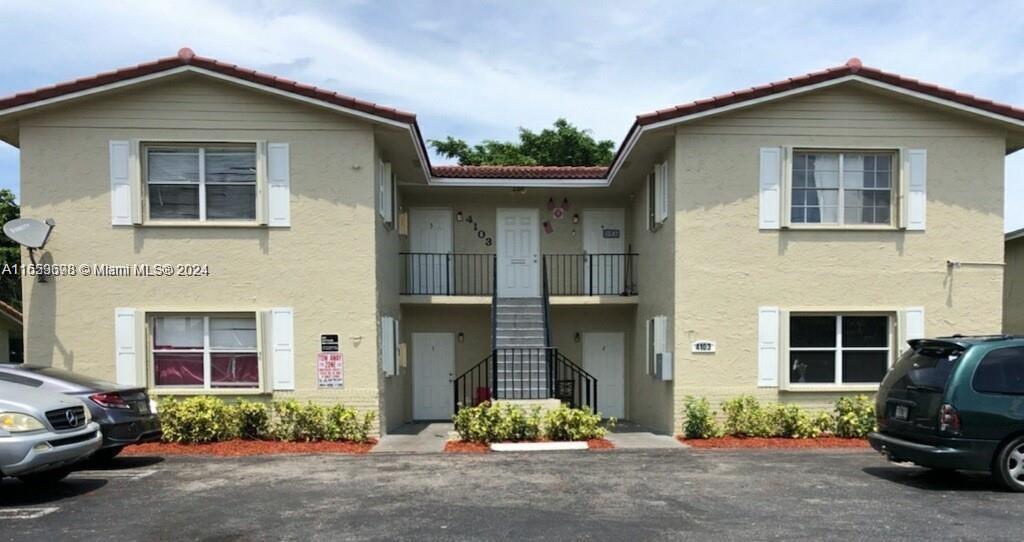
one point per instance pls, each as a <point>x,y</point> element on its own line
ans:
<point>663,368</point>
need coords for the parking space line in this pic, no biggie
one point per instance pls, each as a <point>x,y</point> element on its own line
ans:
<point>27,513</point>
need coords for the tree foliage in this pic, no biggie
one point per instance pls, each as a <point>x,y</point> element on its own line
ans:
<point>10,252</point>
<point>562,145</point>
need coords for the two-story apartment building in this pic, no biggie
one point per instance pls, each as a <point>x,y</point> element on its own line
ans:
<point>782,241</point>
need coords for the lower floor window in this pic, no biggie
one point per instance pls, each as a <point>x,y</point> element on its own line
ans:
<point>839,349</point>
<point>198,351</point>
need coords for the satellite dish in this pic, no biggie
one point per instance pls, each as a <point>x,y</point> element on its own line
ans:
<point>29,232</point>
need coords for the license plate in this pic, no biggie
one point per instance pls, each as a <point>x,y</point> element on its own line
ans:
<point>902,412</point>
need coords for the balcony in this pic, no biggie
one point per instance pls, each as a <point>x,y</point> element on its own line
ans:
<point>463,278</point>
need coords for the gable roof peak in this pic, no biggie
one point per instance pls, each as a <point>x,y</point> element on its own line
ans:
<point>186,54</point>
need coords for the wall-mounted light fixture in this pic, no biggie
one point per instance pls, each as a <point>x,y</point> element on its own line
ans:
<point>565,204</point>
<point>576,337</point>
<point>458,216</point>
<point>462,337</point>
<point>551,203</point>
<point>575,219</point>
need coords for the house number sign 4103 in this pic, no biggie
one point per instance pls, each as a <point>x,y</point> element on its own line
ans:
<point>703,347</point>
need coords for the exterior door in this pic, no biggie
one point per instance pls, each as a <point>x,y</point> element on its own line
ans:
<point>518,253</point>
<point>604,242</point>
<point>603,357</point>
<point>429,266</point>
<point>433,367</point>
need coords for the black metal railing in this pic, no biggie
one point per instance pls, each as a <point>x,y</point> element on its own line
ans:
<point>526,373</point>
<point>572,385</point>
<point>591,274</point>
<point>547,304</point>
<point>475,385</point>
<point>523,373</point>
<point>435,273</point>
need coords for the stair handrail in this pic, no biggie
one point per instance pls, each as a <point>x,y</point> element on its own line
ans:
<point>476,375</point>
<point>494,327</point>
<point>580,376</point>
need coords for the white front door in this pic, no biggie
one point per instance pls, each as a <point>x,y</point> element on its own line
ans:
<point>433,367</point>
<point>518,253</point>
<point>603,357</point>
<point>604,242</point>
<point>429,266</point>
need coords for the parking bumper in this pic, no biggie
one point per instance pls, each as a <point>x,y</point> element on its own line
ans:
<point>26,454</point>
<point>953,453</point>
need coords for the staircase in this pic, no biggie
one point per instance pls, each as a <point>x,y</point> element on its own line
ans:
<point>522,363</point>
<point>521,349</point>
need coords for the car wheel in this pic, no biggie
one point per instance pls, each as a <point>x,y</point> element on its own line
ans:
<point>46,477</point>
<point>106,454</point>
<point>1009,467</point>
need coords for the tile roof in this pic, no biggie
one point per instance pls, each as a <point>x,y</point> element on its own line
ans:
<point>520,172</point>
<point>10,311</point>
<point>852,67</point>
<point>186,57</point>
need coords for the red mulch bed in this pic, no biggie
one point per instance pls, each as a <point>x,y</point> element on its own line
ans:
<point>236,448</point>
<point>776,443</point>
<point>600,444</point>
<point>463,447</point>
<point>459,446</point>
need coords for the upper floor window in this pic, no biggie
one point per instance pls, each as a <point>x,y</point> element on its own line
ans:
<point>657,196</point>
<point>201,182</point>
<point>843,187</point>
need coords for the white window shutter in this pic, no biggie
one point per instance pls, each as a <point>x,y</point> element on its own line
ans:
<point>387,345</point>
<point>770,188</point>
<point>121,203</point>
<point>126,350</point>
<point>661,192</point>
<point>913,326</point>
<point>916,197</point>
<point>278,185</point>
<point>768,347</point>
<point>282,332</point>
<point>396,346</point>
<point>387,206</point>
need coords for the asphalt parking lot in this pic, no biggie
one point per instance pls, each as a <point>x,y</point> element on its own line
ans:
<point>617,495</point>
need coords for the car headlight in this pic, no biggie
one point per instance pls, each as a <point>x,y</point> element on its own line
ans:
<point>16,422</point>
<point>88,416</point>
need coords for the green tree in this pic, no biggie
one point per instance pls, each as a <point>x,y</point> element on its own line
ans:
<point>10,252</point>
<point>562,145</point>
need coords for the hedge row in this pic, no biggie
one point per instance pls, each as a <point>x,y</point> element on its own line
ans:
<point>203,419</point>
<point>852,417</point>
<point>501,422</point>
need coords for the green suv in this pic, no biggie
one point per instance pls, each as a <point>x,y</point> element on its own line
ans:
<point>956,403</point>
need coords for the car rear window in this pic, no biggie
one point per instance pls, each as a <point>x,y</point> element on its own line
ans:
<point>1001,371</point>
<point>927,366</point>
<point>73,378</point>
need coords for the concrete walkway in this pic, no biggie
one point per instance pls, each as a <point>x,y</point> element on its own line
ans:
<point>415,438</point>
<point>631,436</point>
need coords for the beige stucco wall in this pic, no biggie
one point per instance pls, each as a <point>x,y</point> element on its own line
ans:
<point>1013,288</point>
<point>726,268</point>
<point>319,266</point>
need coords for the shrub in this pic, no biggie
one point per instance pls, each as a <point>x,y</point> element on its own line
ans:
<point>700,419</point>
<point>855,416</point>
<point>497,422</point>
<point>252,420</point>
<point>500,422</point>
<point>344,423</point>
<point>744,417</point>
<point>825,422</point>
<point>297,422</point>
<point>196,419</point>
<point>564,423</point>
<point>793,422</point>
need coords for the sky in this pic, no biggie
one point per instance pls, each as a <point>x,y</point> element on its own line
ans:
<point>480,70</point>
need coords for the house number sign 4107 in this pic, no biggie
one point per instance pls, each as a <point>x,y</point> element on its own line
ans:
<point>703,347</point>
